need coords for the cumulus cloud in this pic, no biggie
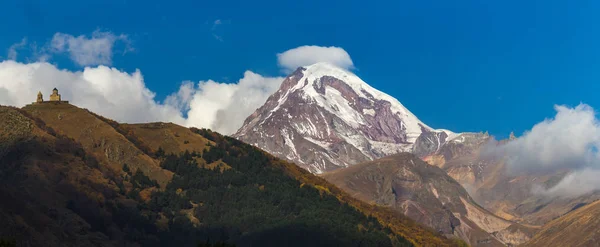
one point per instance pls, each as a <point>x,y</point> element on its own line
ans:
<point>124,96</point>
<point>567,142</point>
<point>106,91</point>
<point>86,51</point>
<point>307,55</point>
<point>224,107</point>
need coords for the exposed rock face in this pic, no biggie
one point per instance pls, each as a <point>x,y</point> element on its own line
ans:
<point>428,195</point>
<point>429,142</point>
<point>488,181</point>
<point>324,118</point>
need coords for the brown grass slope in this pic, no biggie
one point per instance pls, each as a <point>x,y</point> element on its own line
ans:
<point>45,178</point>
<point>110,143</point>
<point>169,137</point>
<point>580,227</point>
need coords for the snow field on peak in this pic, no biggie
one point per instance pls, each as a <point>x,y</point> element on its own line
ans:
<point>318,70</point>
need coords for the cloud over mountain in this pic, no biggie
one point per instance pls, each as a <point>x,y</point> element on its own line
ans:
<point>224,106</point>
<point>569,141</point>
<point>311,54</point>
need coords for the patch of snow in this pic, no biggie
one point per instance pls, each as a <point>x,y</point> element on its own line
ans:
<point>318,70</point>
<point>326,123</point>
<point>370,112</point>
<point>305,128</point>
<point>434,191</point>
<point>390,148</point>
<point>358,141</point>
<point>289,142</point>
<point>322,144</point>
<point>457,139</point>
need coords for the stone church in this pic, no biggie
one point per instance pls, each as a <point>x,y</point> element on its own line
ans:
<point>54,98</point>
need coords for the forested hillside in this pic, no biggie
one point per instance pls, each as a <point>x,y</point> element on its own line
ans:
<point>67,184</point>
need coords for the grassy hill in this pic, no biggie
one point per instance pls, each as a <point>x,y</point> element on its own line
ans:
<point>72,178</point>
<point>580,227</point>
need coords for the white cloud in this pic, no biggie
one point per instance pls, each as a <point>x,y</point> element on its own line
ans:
<point>224,107</point>
<point>576,183</point>
<point>568,142</point>
<point>12,50</point>
<point>107,91</point>
<point>86,51</point>
<point>307,55</point>
<point>124,96</point>
<point>181,99</point>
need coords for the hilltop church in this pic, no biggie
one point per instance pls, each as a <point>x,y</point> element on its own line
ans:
<point>54,98</point>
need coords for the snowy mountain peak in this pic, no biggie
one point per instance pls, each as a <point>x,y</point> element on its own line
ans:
<point>324,117</point>
<point>315,72</point>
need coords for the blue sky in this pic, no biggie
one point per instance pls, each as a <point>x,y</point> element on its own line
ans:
<point>465,66</point>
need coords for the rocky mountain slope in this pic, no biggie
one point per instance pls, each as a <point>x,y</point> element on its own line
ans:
<point>72,178</point>
<point>428,195</point>
<point>510,196</point>
<point>324,118</point>
<point>327,119</point>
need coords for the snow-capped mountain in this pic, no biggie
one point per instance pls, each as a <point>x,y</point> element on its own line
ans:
<point>324,117</point>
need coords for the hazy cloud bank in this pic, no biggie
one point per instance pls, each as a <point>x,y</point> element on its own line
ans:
<point>568,142</point>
